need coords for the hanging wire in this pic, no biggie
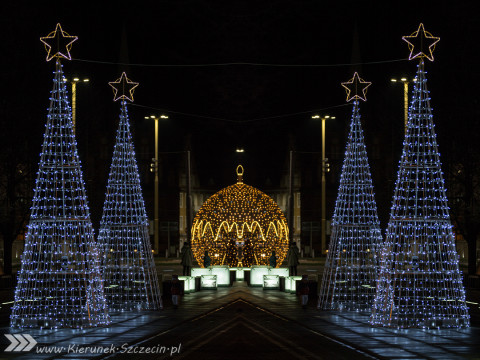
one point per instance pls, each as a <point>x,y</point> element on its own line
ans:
<point>239,64</point>
<point>240,121</point>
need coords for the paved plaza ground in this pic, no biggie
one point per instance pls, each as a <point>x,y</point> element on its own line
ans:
<point>242,322</point>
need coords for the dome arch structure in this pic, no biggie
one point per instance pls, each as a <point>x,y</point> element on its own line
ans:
<point>240,226</point>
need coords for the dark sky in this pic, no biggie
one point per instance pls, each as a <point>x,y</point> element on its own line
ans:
<point>216,104</point>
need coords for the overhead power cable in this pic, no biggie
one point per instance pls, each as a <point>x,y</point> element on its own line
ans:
<point>239,64</point>
<point>237,121</point>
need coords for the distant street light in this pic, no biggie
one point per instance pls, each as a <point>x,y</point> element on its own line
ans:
<point>405,97</point>
<point>325,169</point>
<point>240,150</point>
<point>74,98</point>
<point>154,169</point>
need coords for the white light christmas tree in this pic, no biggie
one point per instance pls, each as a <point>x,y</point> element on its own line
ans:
<point>351,267</point>
<point>59,282</point>
<point>128,267</point>
<point>420,284</point>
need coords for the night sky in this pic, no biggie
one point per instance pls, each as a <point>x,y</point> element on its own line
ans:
<point>264,109</point>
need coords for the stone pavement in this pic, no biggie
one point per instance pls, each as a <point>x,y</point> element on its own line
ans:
<point>241,330</point>
<point>353,329</point>
<point>348,330</point>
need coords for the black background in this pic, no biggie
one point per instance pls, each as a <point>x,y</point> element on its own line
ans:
<point>221,107</point>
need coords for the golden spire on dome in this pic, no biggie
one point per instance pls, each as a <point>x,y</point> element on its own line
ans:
<point>240,172</point>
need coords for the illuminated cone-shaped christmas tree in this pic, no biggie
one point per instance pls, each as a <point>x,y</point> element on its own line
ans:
<point>420,284</point>
<point>128,267</point>
<point>59,283</point>
<point>351,267</point>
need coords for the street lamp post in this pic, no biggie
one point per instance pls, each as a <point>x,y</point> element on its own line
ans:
<point>74,99</point>
<point>154,168</point>
<point>405,98</point>
<point>325,169</point>
<point>189,218</point>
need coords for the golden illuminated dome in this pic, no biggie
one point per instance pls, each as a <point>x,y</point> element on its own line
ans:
<point>239,226</point>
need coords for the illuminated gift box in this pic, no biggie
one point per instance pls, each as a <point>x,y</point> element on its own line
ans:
<point>271,282</point>
<point>197,272</point>
<point>208,281</point>
<point>240,275</point>
<point>291,283</point>
<point>223,274</point>
<point>256,274</point>
<point>281,272</point>
<point>188,283</point>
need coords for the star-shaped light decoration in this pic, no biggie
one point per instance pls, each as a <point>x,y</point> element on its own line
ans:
<point>421,44</point>
<point>58,44</point>
<point>356,88</point>
<point>123,88</point>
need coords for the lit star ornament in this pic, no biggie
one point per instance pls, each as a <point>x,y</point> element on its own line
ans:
<point>58,44</point>
<point>356,88</point>
<point>419,42</point>
<point>123,88</point>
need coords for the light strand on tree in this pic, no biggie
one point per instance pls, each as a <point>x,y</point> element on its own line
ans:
<point>128,267</point>
<point>420,284</point>
<point>351,267</point>
<point>59,282</point>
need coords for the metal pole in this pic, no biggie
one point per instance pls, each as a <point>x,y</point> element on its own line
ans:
<point>405,102</point>
<point>74,105</point>
<point>290,198</point>
<point>189,197</point>
<point>155,221</point>
<point>311,238</point>
<point>324,222</point>
<point>168,238</point>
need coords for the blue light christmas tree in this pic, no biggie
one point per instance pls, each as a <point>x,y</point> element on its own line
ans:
<point>420,284</point>
<point>59,282</point>
<point>351,267</point>
<point>128,267</point>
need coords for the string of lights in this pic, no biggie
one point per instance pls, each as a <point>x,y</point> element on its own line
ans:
<point>420,283</point>
<point>128,267</point>
<point>351,267</point>
<point>59,282</point>
<point>239,226</point>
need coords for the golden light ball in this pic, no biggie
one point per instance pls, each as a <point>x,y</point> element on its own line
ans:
<point>240,226</point>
